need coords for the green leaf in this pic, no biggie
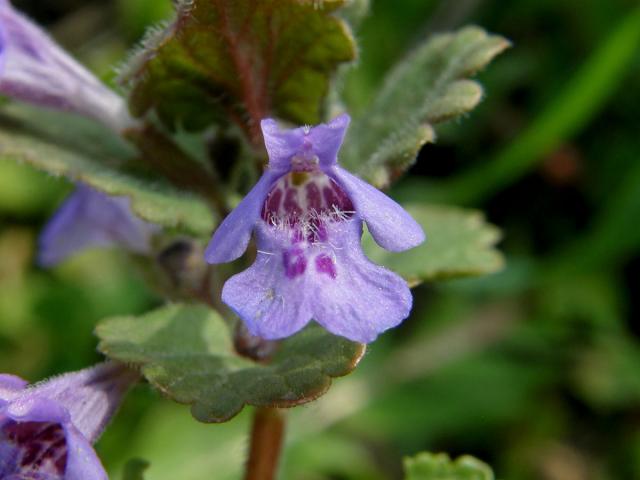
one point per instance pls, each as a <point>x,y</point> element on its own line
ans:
<point>429,466</point>
<point>245,59</point>
<point>134,469</point>
<point>426,88</point>
<point>63,144</point>
<point>459,243</point>
<point>186,352</point>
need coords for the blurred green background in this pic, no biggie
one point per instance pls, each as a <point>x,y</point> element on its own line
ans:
<point>535,370</point>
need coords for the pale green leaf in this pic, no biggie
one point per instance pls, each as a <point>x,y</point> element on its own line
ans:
<point>80,150</point>
<point>429,466</point>
<point>459,243</point>
<point>428,87</point>
<point>186,351</point>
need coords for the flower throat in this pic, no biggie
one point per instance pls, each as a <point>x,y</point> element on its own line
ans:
<point>306,199</point>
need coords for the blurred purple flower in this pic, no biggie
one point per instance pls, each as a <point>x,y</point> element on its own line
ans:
<point>34,69</point>
<point>89,218</point>
<point>307,213</point>
<point>47,430</point>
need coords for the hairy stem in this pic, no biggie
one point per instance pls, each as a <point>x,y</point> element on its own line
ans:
<point>267,434</point>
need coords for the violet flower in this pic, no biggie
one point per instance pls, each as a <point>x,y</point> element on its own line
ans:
<point>89,218</point>
<point>47,430</point>
<point>35,69</point>
<point>307,213</point>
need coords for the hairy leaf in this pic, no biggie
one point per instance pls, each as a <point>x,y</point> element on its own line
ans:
<point>83,151</point>
<point>243,60</point>
<point>459,243</point>
<point>186,352</point>
<point>429,466</point>
<point>426,88</point>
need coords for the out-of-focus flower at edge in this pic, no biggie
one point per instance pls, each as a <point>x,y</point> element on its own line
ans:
<point>89,218</point>
<point>34,69</point>
<point>47,430</point>
<point>307,213</point>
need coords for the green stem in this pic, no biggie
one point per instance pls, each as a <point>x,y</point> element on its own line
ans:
<point>267,435</point>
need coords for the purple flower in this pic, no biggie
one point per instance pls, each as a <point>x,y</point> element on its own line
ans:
<point>46,430</point>
<point>89,218</point>
<point>307,213</point>
<point>34,69</point>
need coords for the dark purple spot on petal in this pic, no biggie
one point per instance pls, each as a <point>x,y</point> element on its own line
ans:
<point>330,197</point>
<point>314,197</point>
<point>294,261</point>
<point>37,450</point>
<point>320,233</point>
<point>344,202</point>
<point>297,236</point>
<point>272,205</point>
<point>325,264</point>
<point>291,207</point>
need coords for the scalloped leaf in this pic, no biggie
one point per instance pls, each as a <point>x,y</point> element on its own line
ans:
<point>243,60</point>
<point>186,351</point>
<point>63,144</point>
<point>429,466</point>
<point>428,87</point>
<point>459,243</point>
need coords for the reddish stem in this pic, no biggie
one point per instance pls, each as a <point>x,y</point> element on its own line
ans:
<point>267,436</point>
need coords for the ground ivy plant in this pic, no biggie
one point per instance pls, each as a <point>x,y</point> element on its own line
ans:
<point>270,290</point>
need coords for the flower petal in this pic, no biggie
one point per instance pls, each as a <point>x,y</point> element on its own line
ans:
<point>281,144</point>
<point>33,68</point>
<point>270,304</point>
<point>90,396</point>
<point>10,386</point>
<point>231,238</point>
<point>89,218</point>
<point>82,462</point>
<point>355,298</point>
<point>390,225</point>
<point>58,420</point>
<point>327,138</point>
<point>32,450</point>
<point>27,408</point>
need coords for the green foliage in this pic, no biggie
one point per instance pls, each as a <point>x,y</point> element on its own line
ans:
<point>242,60</point>
<point>83,151</point>
<point>354,11</point>
<point>426,88</point>
<point>134,469</point>
<point>428,466</point>
<point>581,99</point>
<point>186,352</point>
<point>607,374</point>
<point>459,243</point>
<point>524,388</point>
